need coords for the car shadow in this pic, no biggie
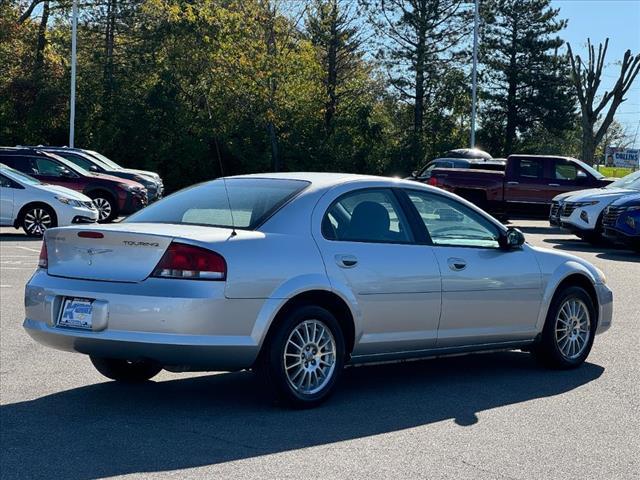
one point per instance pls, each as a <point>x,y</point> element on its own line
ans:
<point>109,429</point>
<point>539,230</point>
<point>18,237</point>
<point>604,252</point>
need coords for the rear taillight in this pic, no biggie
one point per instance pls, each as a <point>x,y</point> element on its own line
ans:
<point>43,260</point>
<point>433,181</point>
<point>190,262</point>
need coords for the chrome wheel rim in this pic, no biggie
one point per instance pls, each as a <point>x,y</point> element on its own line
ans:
<point>573,327</point>
<point>103,206</point>
<point>36,221</point>
<point>310,357</point>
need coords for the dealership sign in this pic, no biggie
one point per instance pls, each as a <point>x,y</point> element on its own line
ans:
<point>622,157</point>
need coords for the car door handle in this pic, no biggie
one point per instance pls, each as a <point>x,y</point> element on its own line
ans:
<point>457,264</point>
<point>513,183</point>
<point>554,184</point>
<point>346,261</point>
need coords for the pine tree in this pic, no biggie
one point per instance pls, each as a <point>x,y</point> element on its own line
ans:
<point>525,81</point>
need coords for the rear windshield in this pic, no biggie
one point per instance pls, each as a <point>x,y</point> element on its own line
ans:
<point>252,201</point>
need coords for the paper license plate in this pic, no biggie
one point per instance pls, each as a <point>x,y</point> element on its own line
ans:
<point>76,313</point>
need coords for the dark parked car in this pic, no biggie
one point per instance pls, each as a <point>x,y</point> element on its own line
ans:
<point>527,180</point>
<point>621,221</point>
<point>478,164</point>
<point>91,161</point>
<point>111,195</point>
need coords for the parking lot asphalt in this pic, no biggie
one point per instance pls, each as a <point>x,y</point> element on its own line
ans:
<point>493,416</point>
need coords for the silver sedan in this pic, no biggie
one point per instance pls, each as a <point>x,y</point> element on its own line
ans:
<point>296,275</point>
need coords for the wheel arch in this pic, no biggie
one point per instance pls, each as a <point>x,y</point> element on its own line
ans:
<point>571,278</point>
<point>327,299</point>
<point>21,213</point>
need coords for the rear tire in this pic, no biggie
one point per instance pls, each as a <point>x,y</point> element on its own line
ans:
<point>37,219</point>
<point>569,330</point>
<point>303,358</point>
<point>125,370</point>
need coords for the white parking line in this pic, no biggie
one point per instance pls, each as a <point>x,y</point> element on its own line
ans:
<point>26,248</point>
<point>6,286</point>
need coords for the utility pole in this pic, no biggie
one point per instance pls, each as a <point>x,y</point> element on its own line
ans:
<point>72,101</point>
<point>474,74</point>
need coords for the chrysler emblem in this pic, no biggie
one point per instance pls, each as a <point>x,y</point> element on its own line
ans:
<point>88,253</point>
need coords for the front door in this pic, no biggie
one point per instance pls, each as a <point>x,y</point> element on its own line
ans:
<point>488,294</point>
<point>368,249</point>
<point>6,201</point>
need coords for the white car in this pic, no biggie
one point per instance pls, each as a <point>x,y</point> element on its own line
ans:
<point>35,206</point>
<point>581,212</point>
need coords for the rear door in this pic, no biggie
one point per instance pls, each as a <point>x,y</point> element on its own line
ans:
<point>369,250</point>
<point>524,180</point>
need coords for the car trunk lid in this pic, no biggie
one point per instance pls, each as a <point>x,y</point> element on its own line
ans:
<point>119,252</point>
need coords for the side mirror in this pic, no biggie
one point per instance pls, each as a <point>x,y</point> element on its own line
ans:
<point>93,168</point>
<point>414,174</point>
<point>513,238</point>
<point>65,172</point>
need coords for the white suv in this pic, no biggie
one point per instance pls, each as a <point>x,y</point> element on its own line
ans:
<point>35,206</point>
<point>581,212</point>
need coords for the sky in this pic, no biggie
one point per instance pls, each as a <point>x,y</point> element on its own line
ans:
<point>620,21</point>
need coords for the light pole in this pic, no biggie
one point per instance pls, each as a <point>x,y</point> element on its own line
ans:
<point>72,100</point>
<point>474,74</point>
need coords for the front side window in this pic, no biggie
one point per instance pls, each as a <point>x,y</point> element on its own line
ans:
<point>567,171</point>
<point>252,201</point>
<point>48,167</point>
<point>370,215</point>
<point>451,223</point>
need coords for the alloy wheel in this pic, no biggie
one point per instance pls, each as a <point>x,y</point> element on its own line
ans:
<point>37,220</point>
<point>573,327</point>
<point>310,357</point>
<point>104,208</point>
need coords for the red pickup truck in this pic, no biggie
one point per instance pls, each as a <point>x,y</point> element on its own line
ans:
<point>527,180</point>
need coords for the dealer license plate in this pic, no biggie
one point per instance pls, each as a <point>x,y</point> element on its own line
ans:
<point>76,313</point>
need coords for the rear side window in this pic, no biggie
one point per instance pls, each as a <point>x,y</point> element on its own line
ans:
<point>371,215</point>
<point>529,168</point>
<point>22,164</point>
<point>252,201</point>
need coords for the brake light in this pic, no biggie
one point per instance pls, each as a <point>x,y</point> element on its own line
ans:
<point>43,260</point>
<point>433,181</point>
<point>89,234</point>
<point>190,262</point>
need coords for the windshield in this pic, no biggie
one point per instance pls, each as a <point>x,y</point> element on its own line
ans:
<point>21,177</point>
<point>589,169</point>
<point>631,181</point>
<point>252,201</point>
<point>104,160</point>
<point>82,160</point>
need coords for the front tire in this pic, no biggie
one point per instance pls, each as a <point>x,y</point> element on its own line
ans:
<point>125,370</point>
<point>37,219</point>
<point>106,205</point>
<point>304,357</point>
<point>569,330</point>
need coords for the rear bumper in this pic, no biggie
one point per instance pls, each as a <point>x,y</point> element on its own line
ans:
<point>186,324</point>
<point>184,352</point>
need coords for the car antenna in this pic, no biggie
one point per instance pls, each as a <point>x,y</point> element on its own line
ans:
<point>226,190</point>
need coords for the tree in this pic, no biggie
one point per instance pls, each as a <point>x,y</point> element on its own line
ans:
<point>419,44</point>
<point>586,79</point>
<point>332,30</point>
<point>524,81</point>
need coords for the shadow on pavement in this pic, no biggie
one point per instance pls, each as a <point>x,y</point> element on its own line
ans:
<point>548,230</point>
<point>18,237</point>
<point>604,252</point>
<point>108,429</point>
